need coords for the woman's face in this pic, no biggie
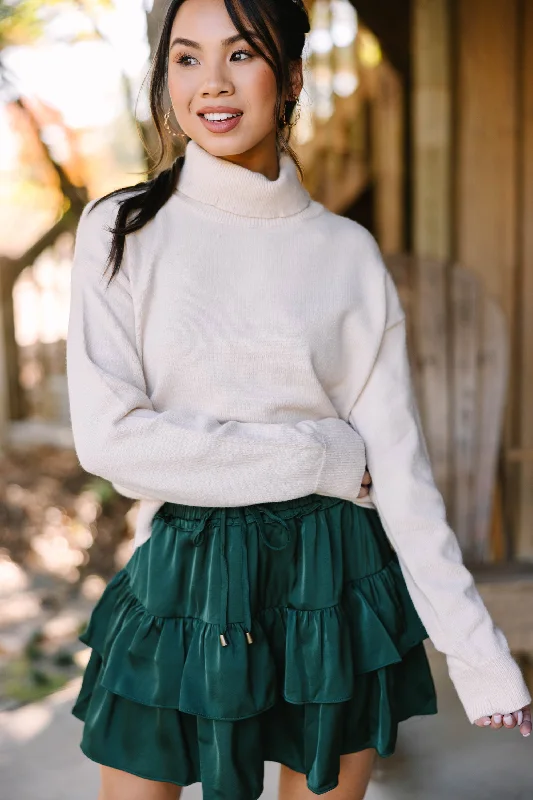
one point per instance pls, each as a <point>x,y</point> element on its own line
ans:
<point>212,69</point>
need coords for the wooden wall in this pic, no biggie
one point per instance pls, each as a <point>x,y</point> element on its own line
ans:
<point>494,207</point>
<point>477,56</point>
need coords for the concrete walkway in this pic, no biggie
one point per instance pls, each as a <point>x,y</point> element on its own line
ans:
<point>436,757</point>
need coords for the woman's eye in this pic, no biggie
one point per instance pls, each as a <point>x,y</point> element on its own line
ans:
<point>245,52</point>
<point>185,58</point>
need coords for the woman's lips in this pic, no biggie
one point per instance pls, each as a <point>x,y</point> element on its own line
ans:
<point>222,126</point>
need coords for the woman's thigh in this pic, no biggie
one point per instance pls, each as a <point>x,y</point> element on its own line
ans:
<point>354,776</point>
<point>118,785</point>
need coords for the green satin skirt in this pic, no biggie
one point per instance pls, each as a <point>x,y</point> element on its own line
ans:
<point>233,636</point>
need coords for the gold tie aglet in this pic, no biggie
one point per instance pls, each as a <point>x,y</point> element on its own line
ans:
<point>223,640</point>
<point>248,637</point>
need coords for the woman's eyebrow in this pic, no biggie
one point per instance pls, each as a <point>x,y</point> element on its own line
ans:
<point>190,43</point>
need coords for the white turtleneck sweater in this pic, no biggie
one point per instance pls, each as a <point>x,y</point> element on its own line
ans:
<point>249,341</point>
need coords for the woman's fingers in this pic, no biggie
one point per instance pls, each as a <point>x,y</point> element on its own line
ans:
<point>525,725</point>
<point>367,480</point>
<point>504,720</point>
<point>365,483</point>
<point>520,718</point>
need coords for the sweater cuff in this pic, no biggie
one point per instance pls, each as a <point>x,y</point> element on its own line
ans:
<point>344,461</point>
<point>497,687</point>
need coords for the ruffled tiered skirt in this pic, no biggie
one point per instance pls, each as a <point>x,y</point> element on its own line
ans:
<point>233,636</point>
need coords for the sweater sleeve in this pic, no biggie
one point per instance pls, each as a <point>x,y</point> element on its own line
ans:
<point>171,454</point>
<point>485,675</point>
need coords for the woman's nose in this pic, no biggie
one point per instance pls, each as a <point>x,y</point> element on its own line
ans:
<point>215,89</point>
<point>216,81</point>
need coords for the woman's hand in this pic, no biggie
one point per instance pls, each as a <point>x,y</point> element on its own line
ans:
<point>522,718</point>
<point>365,485</point>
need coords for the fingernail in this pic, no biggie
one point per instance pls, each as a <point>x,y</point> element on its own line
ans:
<point>526,734</point>
<point>497,718</point>
<point>487,722</point>
<point>520,717</point>
<point>508,719</point>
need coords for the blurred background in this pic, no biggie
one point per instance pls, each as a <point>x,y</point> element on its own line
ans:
<point>417,121</point>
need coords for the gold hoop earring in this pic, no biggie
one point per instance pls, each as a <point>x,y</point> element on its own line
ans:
<point>181,134</point>
<point>297,117</point>
<point>285,122</point>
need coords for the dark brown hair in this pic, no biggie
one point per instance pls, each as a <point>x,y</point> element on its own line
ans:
<point>289,22</point>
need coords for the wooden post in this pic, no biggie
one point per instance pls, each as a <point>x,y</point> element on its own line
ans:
<point>524,533</point>
<point>487,143</point>
<point>388,149</point>
<point>432,133</point>
<point>488,41</point>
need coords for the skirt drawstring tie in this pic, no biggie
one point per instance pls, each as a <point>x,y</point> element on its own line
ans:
<point>198,538</point>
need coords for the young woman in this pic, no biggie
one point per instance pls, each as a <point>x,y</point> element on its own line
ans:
<point>239,368</point>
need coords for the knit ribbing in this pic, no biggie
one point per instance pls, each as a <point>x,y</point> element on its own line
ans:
<point>230,187</point>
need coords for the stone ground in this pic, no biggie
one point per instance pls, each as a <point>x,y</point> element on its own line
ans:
<point>436,758</point>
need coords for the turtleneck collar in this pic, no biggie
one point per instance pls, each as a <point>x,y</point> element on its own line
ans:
<point>230,187</point>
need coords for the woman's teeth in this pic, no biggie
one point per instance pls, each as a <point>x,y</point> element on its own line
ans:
<point>219,117</point>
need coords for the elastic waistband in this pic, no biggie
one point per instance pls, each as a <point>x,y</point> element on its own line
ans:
<point>283,508</point>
